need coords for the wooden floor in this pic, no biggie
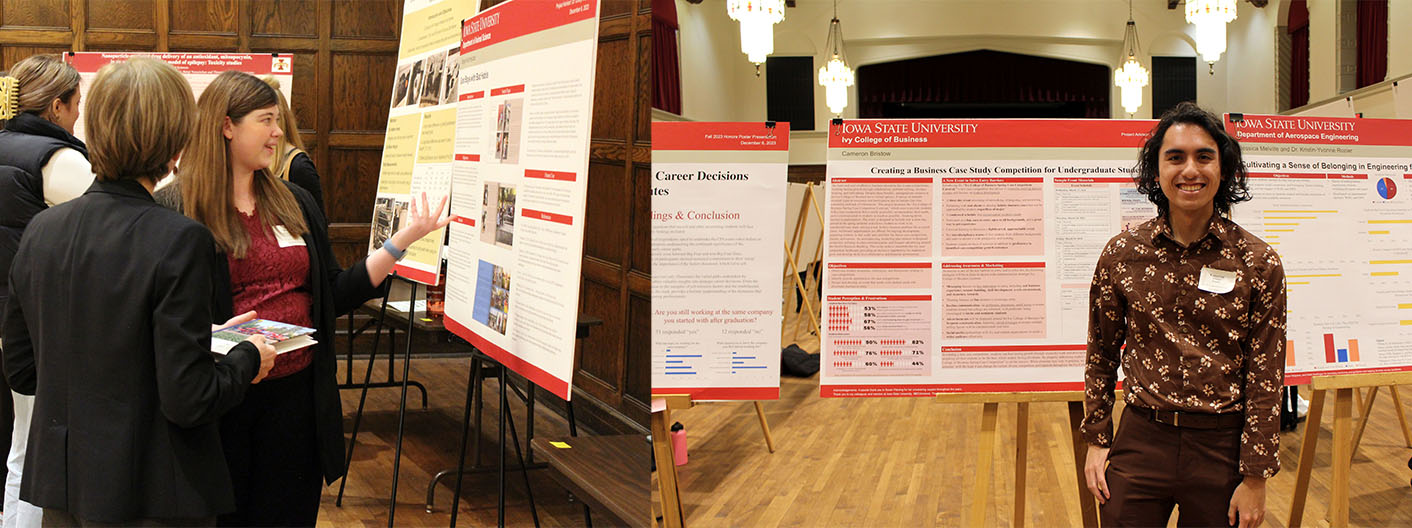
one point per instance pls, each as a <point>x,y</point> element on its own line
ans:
<point>911,462</point>
<point>430,445</point>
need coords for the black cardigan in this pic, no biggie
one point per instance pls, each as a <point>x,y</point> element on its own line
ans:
<point>335,291</point>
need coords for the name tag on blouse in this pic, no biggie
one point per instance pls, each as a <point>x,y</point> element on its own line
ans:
<point>285,239</point>
<point>1216,281</point>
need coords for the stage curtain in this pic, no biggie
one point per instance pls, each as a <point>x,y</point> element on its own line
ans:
<point>985,76</point>
<point>666,64</point>
<point>1299,54</point>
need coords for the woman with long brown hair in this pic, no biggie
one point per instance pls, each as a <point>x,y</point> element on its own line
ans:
<point>41,164</point>
<point>286,439</point>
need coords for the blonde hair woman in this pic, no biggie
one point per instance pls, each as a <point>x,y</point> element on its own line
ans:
<point>291,161</point>
<point>41,164</point>
<point>116,344</point>
<point>286,440</point>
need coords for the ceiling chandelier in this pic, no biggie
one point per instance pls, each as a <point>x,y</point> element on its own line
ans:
<point>1210,18</point>
<point>836,76</point>
<point>757,20</point>
<point>1132,76</point>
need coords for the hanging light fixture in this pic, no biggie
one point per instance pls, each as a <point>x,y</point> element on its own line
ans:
<point>836,76</point>
<point>757,20</point>
<point>1210,18</point>
<point>1132,76</point>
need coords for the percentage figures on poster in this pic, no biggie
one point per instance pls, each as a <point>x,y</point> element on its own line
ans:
<point>878,335</point>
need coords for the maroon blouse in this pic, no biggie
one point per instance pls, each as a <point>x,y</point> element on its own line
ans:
<point>274,281</point>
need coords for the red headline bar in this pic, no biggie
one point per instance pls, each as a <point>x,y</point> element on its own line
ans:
<point>507,90</point>
<point>252,63</point>
<point>1320,130</point>
<point>1094,180</point>
<point>1348,176</point>
<point>990,265</point>
<point>847,298</point>
<point>472,96</point>
<point>880,180</point>
<point>878,265</point>
<point>1287,175</point>
<point>1014,348</point>
<point>468,157</point>
<point>1000,179</point>
<point>552,217</point>
<point>464,220</point>
<point>549,175</point>
<point>1030,133</point>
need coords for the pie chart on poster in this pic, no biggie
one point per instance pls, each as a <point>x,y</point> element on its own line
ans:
<point>1386,188</point>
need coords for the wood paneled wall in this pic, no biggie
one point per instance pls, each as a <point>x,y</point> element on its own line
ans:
<point>345,53</point>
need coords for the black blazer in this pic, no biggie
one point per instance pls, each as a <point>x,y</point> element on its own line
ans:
<point>335,291</point>
<point>109,325</point>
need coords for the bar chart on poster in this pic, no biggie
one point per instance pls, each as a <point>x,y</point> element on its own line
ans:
<point>958,253</point>
<point>1329,195</point>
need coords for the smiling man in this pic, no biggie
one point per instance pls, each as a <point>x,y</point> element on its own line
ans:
<point>1200,304</point>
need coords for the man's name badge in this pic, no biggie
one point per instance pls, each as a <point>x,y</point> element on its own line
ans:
<point>287,240</point>
<point>1216,281</point>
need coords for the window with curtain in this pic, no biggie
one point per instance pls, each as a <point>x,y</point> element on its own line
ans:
<point>666,64</point>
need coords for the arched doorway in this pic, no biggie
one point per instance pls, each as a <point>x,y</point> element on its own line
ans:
<point>984,83</point>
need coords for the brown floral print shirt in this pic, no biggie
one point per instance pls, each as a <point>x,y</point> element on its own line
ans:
<point>1187,349</point>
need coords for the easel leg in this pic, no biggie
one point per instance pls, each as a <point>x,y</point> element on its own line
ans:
<point>765,426</point>
<point>1022,449</point>
<point>465,432</point>
<point>1088,510</point>
<point>666,470</point>
<point>1343,451</point>
<point>1401,415</point>
<point>401,413</point>
<point>808,306</point>
<point>985,454</point>
<point>1366,410</point>
<point>363,396</point>
<point>1307,450</point>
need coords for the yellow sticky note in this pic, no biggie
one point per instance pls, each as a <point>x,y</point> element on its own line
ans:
<point>560,445</point>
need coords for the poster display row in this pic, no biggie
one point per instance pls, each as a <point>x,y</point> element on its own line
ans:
<point>518,166</point>
<point>718,219</point>
<point>199,69</point>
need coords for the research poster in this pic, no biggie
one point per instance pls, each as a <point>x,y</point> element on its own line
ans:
<point>718,197</point>
<point>520,183</point>
<point>958,254</point>
<point>1334,197</point>
<point>421,129</point>
<point>199,69</point>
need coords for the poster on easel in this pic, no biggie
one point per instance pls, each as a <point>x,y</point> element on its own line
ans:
<point>520,184</point>
<point>958,253</point>
<point>421,130</point>
<point>718,197</point>
<point>199,69</point>
<point>1331,195</point>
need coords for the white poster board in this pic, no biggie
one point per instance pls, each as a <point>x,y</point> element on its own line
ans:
<point>718,197</point>
<point>199,69</point>
<point>1402,98</point>
<point>1334,197</point>
<point>520,184</point>
<point>958,254</point>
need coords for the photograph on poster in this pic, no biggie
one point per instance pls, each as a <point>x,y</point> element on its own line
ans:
<point>507,130</point>
<point>400,88</point>
<point>387,218</point>
<point>431,87</point>
<point>492,305</point>
<point>414,88</point>
<point>453,71</point>
<point>498,215</point>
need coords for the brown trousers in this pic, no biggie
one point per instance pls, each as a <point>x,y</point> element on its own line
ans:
<point>1153,467</point>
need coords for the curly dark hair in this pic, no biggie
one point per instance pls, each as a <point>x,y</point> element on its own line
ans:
<point>1233,174</point>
